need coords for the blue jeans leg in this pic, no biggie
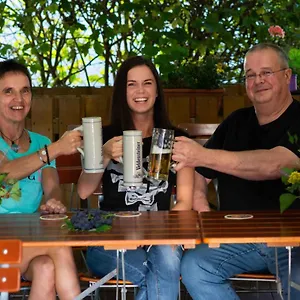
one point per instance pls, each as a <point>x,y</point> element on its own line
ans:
<point>101,262</point>
<point>205,271</point>
<point>283,268</point>
<point>164,272</point>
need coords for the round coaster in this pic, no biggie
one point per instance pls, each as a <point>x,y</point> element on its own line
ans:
<point>238,216</point>
<point>53,217</point>
<point>127,214</point>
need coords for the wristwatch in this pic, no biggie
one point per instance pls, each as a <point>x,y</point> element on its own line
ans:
<point>41,153</point>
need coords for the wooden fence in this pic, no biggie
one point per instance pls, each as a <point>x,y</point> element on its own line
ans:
<point>54,109</point>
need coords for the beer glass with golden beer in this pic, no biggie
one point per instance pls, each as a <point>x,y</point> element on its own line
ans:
<point>160,153</point>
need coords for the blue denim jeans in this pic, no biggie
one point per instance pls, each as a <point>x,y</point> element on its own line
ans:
<point>205,271</point>
<point>156,272</point>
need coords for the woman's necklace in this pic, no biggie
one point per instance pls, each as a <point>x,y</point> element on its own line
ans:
<point>15,147</point>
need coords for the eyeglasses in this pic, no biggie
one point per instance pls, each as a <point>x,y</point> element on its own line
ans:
<point>262,74</point>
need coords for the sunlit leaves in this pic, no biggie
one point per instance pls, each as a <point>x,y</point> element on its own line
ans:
<point>59,40</point>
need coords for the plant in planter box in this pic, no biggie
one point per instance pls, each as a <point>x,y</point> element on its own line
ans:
<point>208,74</point>
<point>278,36</point>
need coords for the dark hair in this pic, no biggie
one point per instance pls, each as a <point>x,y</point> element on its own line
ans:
<point>12,65</point>
<point>120,111</point>
<point>284,61</point>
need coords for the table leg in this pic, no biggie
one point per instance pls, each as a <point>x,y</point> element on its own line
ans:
<point>123,290</point>
<point>123,274</point>
<point>289,248</point>
<point>117,278</point>
<point>3,296</point>
<point>291,283</point>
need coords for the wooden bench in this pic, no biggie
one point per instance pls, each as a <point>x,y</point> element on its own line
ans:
<point>199,132</point>
<point>10,253</point>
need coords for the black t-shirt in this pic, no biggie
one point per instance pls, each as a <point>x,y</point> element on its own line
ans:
<point>146,197</point>
<point>239,132</point>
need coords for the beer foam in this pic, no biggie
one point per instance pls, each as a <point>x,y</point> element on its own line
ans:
<point>157,150</point>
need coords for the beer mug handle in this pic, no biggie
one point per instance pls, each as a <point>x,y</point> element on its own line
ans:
<point>80,150</point>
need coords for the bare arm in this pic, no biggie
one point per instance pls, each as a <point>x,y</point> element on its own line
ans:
<point>200,202</point>
<point>52,192</point>
<point>50,182</point>
<point>184,189</point>
<point>251,165</point>
<point>88,183</point>
<point>67,144</point>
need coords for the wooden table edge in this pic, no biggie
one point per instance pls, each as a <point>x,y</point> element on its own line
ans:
<point>187,243</point>
<point>271,242</point>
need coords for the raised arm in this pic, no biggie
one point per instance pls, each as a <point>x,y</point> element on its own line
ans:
<point>24,166</point>
<point>251,165</point>
<point>88,182</point>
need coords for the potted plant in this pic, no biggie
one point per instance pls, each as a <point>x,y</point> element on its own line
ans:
<point>207,74</point>
<point>278,35</point>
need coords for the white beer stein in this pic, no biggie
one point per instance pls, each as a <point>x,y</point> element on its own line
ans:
<point>92,144</point>
<point>132,158</point>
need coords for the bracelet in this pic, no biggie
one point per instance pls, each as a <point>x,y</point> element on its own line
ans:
<point>40,157</point>
<point>48,159</point>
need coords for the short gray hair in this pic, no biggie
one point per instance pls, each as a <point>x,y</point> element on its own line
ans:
<point>279,51</point>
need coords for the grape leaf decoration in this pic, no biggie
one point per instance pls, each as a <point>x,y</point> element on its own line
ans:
<point>9,188</point>
<point>90,220</point>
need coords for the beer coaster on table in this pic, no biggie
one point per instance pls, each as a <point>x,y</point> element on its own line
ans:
<point>238,216</point>
<point>127,214</point>
<point>53,217</point>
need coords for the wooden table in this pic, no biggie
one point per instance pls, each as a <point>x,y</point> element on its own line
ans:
<point>273,228</point>
<point>151,228</point>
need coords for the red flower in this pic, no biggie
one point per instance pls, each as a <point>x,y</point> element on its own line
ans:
<point>276,31</point>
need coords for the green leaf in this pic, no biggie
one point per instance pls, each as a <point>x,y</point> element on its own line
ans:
<point>286,172</point>
<point>3,176</point>
<point>103,228</point>
<point>3,192</point>
<point>291,138</point>
<point>286,200</point>
<point>11,181</point>
<point>98,48</point>
<point>15,191</point>
<point>69,225</point>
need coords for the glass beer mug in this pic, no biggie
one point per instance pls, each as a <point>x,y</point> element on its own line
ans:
<point>160,153</point>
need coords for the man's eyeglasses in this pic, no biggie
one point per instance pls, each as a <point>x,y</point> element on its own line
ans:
<point>262,74</point>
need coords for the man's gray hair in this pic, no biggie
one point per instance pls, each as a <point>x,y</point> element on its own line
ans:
<point>280,52</point>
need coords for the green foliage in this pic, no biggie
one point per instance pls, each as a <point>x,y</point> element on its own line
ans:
<point>286,200</point>
<point>290,178</point>
<point>62,41</point>
<point>9,188</point>
<point>204,75</point>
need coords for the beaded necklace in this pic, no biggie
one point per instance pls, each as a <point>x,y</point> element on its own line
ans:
<point>15,147</point>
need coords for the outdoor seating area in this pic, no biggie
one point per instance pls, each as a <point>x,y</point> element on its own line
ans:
<point>149,150</point>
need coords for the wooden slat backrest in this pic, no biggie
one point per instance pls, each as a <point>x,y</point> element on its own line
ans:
<point>198,131</point>
<point>68,168</point>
